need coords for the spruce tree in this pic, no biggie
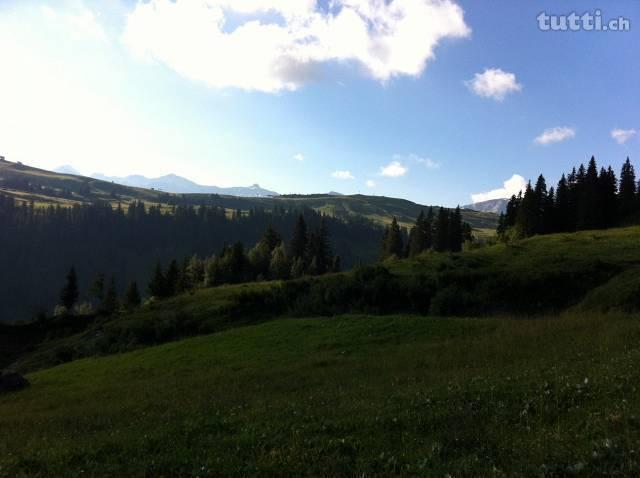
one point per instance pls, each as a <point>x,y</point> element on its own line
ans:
<point>69,293</point>
<point>628,188</point>
<point>96,290</point>
<point>158,283</point>
<point>455,230</point>
<point>441,242</point>
<point>172,278</point>
<point>562,219</point>
<point>336,265</point>
<point>279,267</point>
<point>111,298</point>
<point>299,238</point>
<point>417,240</point>
<point>393,244</point>
<point>132,296</point>
<point>428,229</point>
<point>540,199</point>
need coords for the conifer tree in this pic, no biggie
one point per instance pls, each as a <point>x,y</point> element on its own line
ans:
<point>279,267</point>
<point>158,283</point>
<point>172,278</point>
<point>69,293</point>
<point>540,202</point>
<point>561,220</point>
<point>392,245</point>
<point>299,238</point>
<point>417,239</point>
<point>96,289</point>
<point>442,231</point>
<point>132,296</point>
<point>111,298</point>
<point>628,188</point>
<point>336,266</point>
<point>428,229</point>
<point>297,268</point>
<point>455,230</point>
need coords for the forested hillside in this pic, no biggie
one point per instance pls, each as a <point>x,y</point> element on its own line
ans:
<point>39,245</point>
<point>44,187</point>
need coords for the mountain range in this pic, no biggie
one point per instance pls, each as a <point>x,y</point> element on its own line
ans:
<point>173,183</point>
<point>495,206</point>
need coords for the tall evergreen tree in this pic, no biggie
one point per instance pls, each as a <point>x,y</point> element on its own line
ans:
<point>158,283</point>
<point>299,238</point>
<point>417,239</point>
<point>628,188</point>
<point>562,213</point>
<point>172,278</point>
<point>441,242</point>
<point>96,289</point>
<point>69,293</point>
<point>111,298</point>
<point>455,230</point>
<point>132,296</point>
<point>540,202</point>
<point>392,244</point>
<point>428,229</point>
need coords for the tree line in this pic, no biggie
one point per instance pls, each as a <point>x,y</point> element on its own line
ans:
<point>444,232</point>
<point>586,198</point>
<point>126,241</point>
<point>307,253</point>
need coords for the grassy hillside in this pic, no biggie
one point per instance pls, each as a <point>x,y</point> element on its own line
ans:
<point>45,187</point>
<point>587,272</point>
<point>352,395</point>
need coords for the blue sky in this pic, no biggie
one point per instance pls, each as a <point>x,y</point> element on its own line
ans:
<point>152,88</point>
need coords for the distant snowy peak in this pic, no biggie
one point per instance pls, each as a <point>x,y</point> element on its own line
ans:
<point>173,183</point>
<point>495,206</point>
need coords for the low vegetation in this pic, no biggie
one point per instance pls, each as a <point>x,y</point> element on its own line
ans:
<point>350,395</point>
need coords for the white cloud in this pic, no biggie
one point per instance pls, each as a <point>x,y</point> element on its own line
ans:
<point>494,83</point>
<point>270,54</point>
<point>394,169</point>
<point>621,136</point>
<point>555,135</point>
<point>371,183</point>
<point>511,186</point>
<point>82,23</point>
<point>298,157</point>
<point>427,162</point>
<point>343,174</point>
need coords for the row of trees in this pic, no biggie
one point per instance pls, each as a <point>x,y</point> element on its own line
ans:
<point>446,232</point>
<point>126,241</point>
<point>586,198</point>
<point>102,298</point>
<point>272,258</point>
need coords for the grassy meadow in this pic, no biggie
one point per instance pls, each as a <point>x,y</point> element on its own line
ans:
<point>343,396</point>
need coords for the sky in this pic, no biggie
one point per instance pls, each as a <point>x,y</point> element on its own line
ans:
<point>437,101</point>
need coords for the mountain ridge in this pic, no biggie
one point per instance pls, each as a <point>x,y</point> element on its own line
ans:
<point>173,183</point>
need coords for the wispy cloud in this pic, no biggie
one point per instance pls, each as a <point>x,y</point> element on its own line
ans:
<point>388,39</point>
<point>511,186</point>
<point>345,174</point>
<point>555,135</point>
<point>394,169</point>
<point>298,157</point>
<point>494,83</point>
<point>621,136</point>
<point>427,162</point>
<point>371,183</point>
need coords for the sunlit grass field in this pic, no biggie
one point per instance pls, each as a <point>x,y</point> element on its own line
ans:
<point>344,396</point>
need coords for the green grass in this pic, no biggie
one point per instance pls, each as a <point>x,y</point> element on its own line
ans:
<point>349,396</point>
